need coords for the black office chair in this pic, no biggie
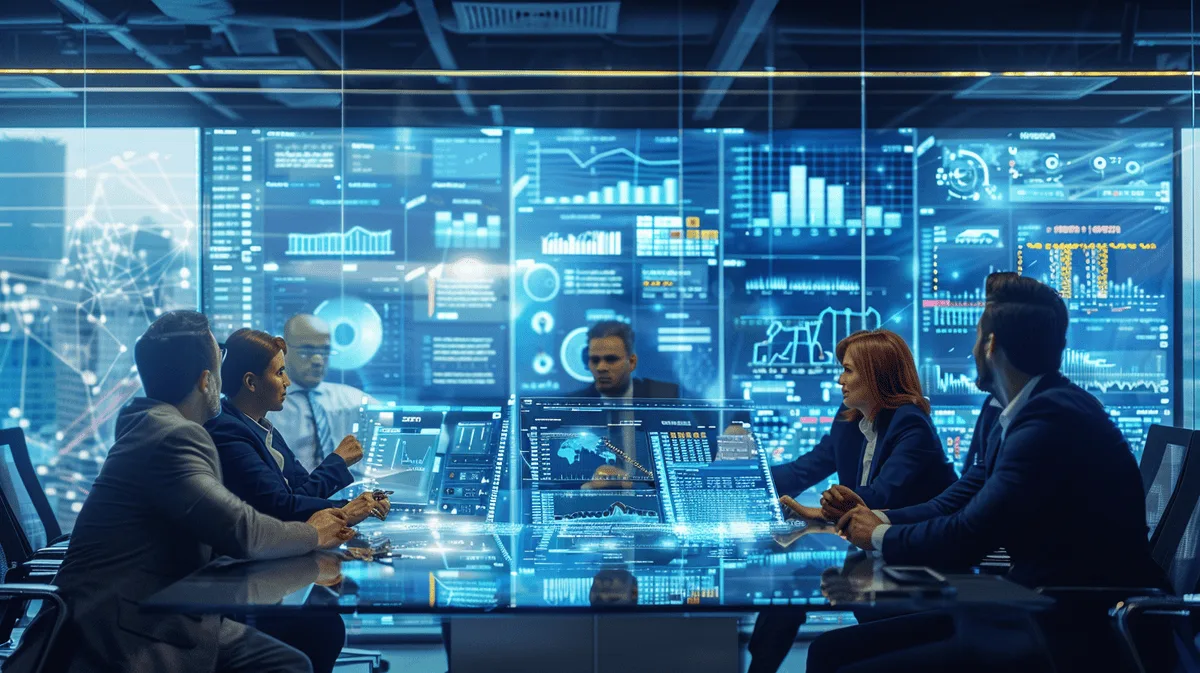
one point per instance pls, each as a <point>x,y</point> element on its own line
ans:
<point>26,493</point>
<point>1163,456</point>
<point>1176,548</point>
<point>24,579</point>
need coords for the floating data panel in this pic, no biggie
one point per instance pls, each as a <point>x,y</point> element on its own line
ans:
<point>677,462</point>
<point>1087,211</point>
<point>434,458</point>
<point>465,265</point>
<point>616,224</point>
<point>397,238</point>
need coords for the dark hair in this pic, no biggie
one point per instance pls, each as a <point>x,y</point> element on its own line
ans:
<point>886,363</point>
<point>610,328</point>
<point>172,353</point>
<point>998,280</point>
<point>1029,320</point>
<point>247,351</point>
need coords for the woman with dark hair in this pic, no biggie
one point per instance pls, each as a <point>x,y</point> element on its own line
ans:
<point>258,467</point>
<point>256,463</point>
<point>882,444</point>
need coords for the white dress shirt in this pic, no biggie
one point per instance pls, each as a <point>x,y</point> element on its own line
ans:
<point>626,419</point>
<point>868,430</point>
<point>341,404</point>
<point>269,440</point>
<point>1006,416</point>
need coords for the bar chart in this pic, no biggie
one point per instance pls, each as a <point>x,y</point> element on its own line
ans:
<point>790,284</point>
<point>356,241</point>
<point>624,193</point>
<point>936,381</point>
<point>588,243</point>
<point>469,231</point>
<point>819,187</point>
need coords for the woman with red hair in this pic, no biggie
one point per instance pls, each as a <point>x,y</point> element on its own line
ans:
<point>883,447</point>
<point>882,444</point>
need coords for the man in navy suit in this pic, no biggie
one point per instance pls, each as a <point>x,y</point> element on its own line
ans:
<point>1052,439</point>
<point>611,359</point>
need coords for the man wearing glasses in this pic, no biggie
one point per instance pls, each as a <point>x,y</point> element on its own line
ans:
<point>317,414</point>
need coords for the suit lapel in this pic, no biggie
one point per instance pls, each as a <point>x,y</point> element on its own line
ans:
<point>883,425</point>
<point>260,442</point>
<point>858,460</point>
<point>1048,381</point>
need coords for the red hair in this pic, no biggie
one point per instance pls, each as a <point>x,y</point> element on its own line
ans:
<point>885,362</point>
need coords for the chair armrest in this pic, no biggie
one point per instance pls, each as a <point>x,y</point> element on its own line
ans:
<point>28,590</point>
<point>49,594</point>
<point>1100,598</point>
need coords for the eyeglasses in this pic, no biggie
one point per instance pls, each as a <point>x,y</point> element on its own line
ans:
<point>224,352</point>
<point>310,352</point>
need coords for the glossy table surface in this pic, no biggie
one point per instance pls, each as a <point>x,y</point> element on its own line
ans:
<point>465,568</point>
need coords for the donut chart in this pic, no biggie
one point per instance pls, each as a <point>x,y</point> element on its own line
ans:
<point>355,328</point>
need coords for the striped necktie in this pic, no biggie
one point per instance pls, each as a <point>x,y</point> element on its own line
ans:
<point>324,444</point>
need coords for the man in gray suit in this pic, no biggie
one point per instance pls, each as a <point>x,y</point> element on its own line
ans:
<point>156,513</point>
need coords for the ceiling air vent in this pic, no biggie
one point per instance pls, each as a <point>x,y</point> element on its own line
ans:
<point>524,18</point>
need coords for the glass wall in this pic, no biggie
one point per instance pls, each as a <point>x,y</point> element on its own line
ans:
<point>459,191</point>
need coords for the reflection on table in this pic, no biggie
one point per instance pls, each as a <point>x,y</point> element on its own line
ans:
<point>454,567</point>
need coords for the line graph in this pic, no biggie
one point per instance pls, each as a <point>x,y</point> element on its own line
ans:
<point>808,340</point>
<point>1125,371</point>
<point>625,168</point>
<point>620,151</point>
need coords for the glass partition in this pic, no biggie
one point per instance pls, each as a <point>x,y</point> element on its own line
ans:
<point>457,195</point>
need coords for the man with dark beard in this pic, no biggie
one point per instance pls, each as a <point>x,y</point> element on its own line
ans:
<point>1052,439</point>
<point>156,514</point>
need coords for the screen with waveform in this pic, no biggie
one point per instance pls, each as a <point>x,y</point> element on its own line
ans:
<point>597,506</point>
<point>699,458</point>
<point>435,458</point>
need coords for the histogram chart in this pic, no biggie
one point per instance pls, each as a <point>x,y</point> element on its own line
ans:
<point>357,241</point>
<point>588,243</point>
<point>466,232</point>
<point>796,185</point>
<point>936,381</point>
<point>785,284</point>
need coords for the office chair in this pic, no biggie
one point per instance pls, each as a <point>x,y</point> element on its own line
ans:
<point>18,450</point>
<point>1163,457</point>
<point>1176,549</point>
<point>24,579</point>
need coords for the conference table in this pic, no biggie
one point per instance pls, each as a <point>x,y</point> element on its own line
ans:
<point>579,596</point>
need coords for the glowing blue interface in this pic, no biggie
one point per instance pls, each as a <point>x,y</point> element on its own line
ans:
<point>465,265</point>
<point>630,462</point>
<point>439,459</point>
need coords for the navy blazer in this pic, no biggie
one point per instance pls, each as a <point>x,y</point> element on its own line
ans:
<point>960,492</point>
<point>1061,447</point>
<point>909,465</point>
<point>642,389</point>
<point>249,470</point>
